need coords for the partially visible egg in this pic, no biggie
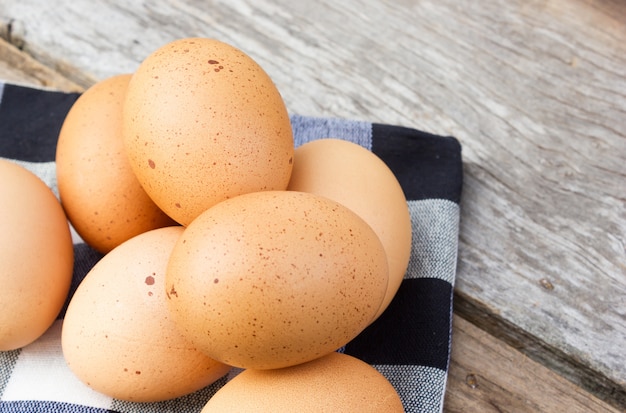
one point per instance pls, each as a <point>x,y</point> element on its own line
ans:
<point>99,191</point>
<point>333,383</point>
<point>275,278</point>
<point>203,122</point>
<point>36,256</point>
<point>355,177</point>
<point>117,334</point>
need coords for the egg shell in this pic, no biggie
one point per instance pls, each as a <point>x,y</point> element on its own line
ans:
<point>275,278</point>
<point>36,256</point>
<point>333,383</point>
<point>98,188</point>
<point>357,178</point>
<point>117,335</point>
<point>203,122</point>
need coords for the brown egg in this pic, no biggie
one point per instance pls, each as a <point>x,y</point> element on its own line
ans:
<point>117,334</point>
<point>275,278</point>
<point>202,123</point>
<point>334,383</point>
<point>355,177</point>
<point>99,191</point>
<point>36,256</point>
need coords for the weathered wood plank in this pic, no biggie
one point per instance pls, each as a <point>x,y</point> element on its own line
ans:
<point>486,375</point>
<point>535,91</point>
<point>21,69</point>
<point>541,353</point>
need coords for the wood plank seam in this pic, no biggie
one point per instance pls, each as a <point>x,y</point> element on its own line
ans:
<point>488,375</point>
<point>556,360</point>
<point>12,32</point>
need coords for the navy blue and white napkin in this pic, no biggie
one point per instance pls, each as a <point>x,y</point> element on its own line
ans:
<point>409,343</point>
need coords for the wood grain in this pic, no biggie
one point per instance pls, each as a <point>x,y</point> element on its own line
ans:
<point>486,375</point>
<point>534,90</point>
<point>21,69</point>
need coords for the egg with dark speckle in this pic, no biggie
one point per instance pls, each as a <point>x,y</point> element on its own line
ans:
<point>275,278</point>
<point>203,122</point>
<point>100,194</point>
<point>118,337</point>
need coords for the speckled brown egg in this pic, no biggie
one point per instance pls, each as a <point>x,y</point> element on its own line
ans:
<point>117,334</point>
<point>99,191</point>
<point>203,122</point>
<point>36,256</point>
<point>275,278</point>
<point>357,178</point>
<point>334,383</point>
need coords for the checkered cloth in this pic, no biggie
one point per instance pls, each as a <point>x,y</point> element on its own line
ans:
<point>409,343</point>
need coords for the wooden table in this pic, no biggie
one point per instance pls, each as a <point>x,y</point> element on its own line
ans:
<point>534,90</point>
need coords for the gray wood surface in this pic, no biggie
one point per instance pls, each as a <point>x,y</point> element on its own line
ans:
<point>488,376</point>
<point>19,68</point>
<point>534,90</point>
